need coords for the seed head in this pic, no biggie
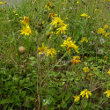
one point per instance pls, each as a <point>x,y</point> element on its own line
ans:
<point>21,49</point>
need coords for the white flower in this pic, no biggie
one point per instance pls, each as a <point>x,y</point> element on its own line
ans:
<point>65,36</point>
<point>102,41</point>
<point>100,51</point>
<point>92,43</point>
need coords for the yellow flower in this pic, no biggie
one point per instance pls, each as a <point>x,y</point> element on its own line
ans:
<point>51,15</point>
<point>49,4</point>
<point>62,29</point>
<point>20,17</point>
<point>101,31</point>
<point>57,21</point>
<point>77,2</point>
<point>43,22</point>
<point>42,49</point>
<point>85,56</point>
<point>51,52</point>
<point>47,7</point>
<point>70,44</point>
<point>85,93</point>
<point>16,54</point>
<point>16,14</point>
<point>14,11</point>
<point>107,34</point>
<point>107,93</point>
<point>85,15</point>
<point>90,74</point>
<point>25,21</point>
<point>88,78</point>
<point>86,69</point>
<point>1,3</point>
<point>108,72</point>
<point>76,98</point>
<point>84,39</point>
<point>26,30</point>
<point>106,26</point>
<point>96,10</point>
<point>76,60</point>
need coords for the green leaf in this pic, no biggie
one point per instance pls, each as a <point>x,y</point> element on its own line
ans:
<point>5,101</point>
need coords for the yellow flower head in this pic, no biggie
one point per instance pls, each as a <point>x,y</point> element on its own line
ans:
<point>51,52</point>
<point>76,98</point>
<point>1,3</point>
<point>107,93</point>
<point>77,2</point>
<point>108,72</point>
<point>84,39</point>
<point>62,29</point>
<point>86,69</point>
<point>51,15</point>
<point>14,11</point>
<point>49,4</point>
<point>97,10</point>
<point>57,21</point>
<point>88,78</point>
<point>90,74</point>
<point>85,93</point>
<point>26,30</point>
<point>107,34</point>
<point>76,60</point>
<point>85,15</point>
<point>42,49</point>
<point>43,22</point>
<point>101,31</point>
<point>20,17</point>
<point>16,14</point>
<point>70,44</point>
<point>106,26</point>
<point>25,21</point>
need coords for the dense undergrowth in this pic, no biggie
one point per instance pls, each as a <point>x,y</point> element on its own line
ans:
<point>55,55</point>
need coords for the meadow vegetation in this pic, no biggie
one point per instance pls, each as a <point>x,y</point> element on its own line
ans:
<point>55,55</point>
